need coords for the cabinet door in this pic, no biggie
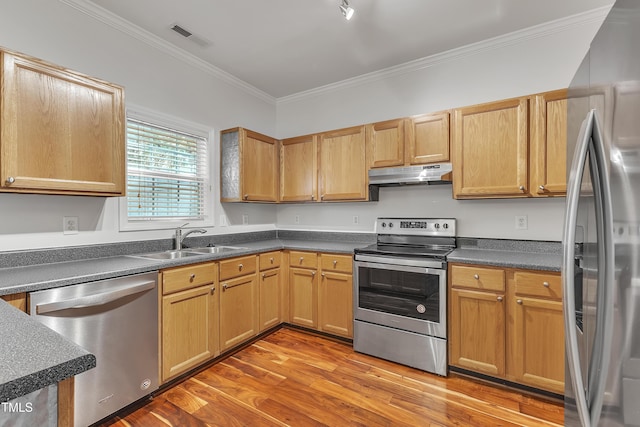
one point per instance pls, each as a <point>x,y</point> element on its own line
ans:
<point>549,144</point>
<point>270,297</point>
<point>238,311</point>
<point>62,132</point>
<point>490,150</point>
<point>188,330</point>
<point>342,170</point>
<point>385,143</point>
<point>299,169</point>
<point>303,294</point>
<point>19,301</point>
<point>477,331</point>
<point>335,304</point>
<point>259,156</point>
<point>427,139</point>
<point>538,344</point>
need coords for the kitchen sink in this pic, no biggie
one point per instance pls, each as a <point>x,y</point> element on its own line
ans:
<point>168,254</point>
<point>215,249</point>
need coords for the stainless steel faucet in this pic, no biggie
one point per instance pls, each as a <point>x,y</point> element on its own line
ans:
<point>179,236</point>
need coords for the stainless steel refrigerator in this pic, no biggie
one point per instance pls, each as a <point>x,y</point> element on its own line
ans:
<point>601,260</point>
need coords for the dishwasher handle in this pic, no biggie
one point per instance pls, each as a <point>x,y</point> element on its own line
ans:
<point>94,300</point>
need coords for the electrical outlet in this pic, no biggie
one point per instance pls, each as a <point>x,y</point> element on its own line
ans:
<point>296,219</point>
<point>245,219</point>
<point>521,222</point>
<point>356,219</point>
<point>69,225</point>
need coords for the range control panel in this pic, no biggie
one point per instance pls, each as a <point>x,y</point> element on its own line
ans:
<point>417,226</point>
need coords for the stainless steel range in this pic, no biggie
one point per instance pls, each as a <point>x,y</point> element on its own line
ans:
<point>400,292</point>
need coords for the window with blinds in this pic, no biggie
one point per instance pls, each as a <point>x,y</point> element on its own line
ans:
<point>167,173</point>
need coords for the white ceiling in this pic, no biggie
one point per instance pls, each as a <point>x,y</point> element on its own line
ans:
<point>284,47</point>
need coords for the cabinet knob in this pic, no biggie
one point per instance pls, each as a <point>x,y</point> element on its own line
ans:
<point>245,197</point>
<point>541,187</point>
<point>301,259</point>
<point>545,284</point>
<point>240,267</point>
<point>264,275</point>
<point>519,301</point>
<point>500,298</point>
<point>322,197</point>
<point>475,276</point>
<point>313,274</point>
<point>521,188</point>
<point>271,260</point>
<point>224,287</point>
<point>313,197</point>
<point>11,180</point>
<point>192,277</point>
<point>335,263</point>
<point>322,274</point>
<point>213,289</point>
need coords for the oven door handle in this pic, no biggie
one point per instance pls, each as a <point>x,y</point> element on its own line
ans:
<point>395,267</point>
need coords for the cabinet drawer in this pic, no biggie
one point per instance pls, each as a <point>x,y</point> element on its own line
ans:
<point>303,259</point>
<point>491,279</point>
<point>333,262</point>
<point>190,276</point>
<point>237,267</point>
<point>270,260</point>
<point>539,284</point>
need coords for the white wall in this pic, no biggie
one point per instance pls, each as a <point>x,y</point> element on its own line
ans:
<point>509,67</point>
<point>55,32</point>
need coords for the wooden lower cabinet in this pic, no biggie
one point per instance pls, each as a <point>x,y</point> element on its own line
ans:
<point>189,318</point>
<point>507,323</point>
<point>335,295</point>
<point>270,290</point>
<point>238,310</point>
<point>478,319</point>
<point>303,297</point>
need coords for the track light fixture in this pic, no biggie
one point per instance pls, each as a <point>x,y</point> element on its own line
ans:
<point>347,11</point>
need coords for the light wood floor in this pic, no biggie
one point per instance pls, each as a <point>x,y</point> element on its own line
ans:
<point>291,378</point>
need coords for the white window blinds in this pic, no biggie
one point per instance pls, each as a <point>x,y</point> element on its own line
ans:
<point>167,173</point>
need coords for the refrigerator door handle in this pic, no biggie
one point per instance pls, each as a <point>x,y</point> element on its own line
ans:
<point>568,270</point>
<point>589,410</point>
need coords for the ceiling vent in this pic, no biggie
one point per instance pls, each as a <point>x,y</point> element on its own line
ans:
<point>189,35</point>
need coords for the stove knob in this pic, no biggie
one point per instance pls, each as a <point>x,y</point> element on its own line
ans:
<point>437,225</point>
<point>384,225</point>
<point>445,225</point>
<point>390,225</point>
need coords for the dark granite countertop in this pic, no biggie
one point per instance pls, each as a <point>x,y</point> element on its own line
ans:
<point>33,356</point>
<point>531,255</point>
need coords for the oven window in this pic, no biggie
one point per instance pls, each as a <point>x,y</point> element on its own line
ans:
<point>402,293</point>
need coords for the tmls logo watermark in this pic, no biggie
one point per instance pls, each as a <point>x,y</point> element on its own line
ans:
<point>17,407</point>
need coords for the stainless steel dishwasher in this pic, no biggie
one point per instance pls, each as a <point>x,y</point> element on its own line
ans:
<point>117,321</point>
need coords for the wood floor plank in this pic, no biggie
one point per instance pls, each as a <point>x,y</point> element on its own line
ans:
<point>291,378</point>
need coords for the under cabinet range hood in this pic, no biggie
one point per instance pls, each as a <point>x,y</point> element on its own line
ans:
<point>439,173</point>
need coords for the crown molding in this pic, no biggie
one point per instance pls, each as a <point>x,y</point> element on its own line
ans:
<point>537,31</point>
<point>91,9</point>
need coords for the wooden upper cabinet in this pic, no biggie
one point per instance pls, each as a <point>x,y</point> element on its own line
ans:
<point>490,150</point>
<point>61,132</point>
<point>385,143</point>
<point>549,144</point>
<point>342,170</point>
<point>248,166</point>
<point>427,139</point>
<point>299,169</point>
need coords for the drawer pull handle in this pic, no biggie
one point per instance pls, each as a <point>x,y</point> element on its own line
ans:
<point>240,267</point>
<point>545,284</point>
<point>192,277</point>
<point>519,301</point>
<point>500,299</point>
<point>475,276</point>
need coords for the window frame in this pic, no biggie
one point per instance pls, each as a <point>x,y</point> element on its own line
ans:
<point>179,125</point>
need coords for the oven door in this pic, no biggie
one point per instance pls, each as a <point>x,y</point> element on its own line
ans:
<point>401,296</point>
